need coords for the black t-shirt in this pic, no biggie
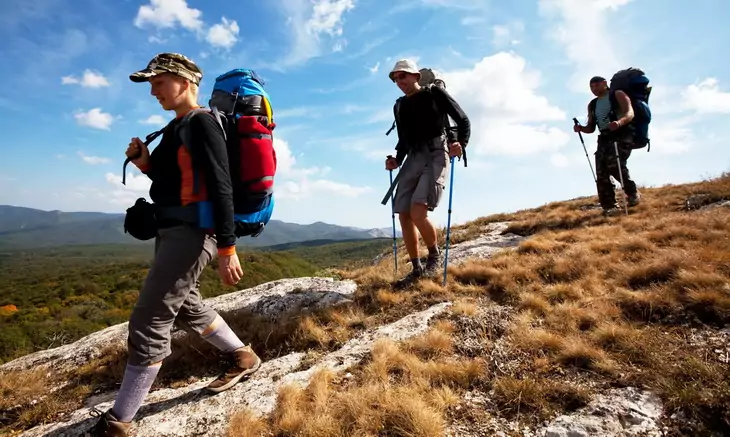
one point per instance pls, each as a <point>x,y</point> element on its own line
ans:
<point>171,172</point>
<point>422,116</point>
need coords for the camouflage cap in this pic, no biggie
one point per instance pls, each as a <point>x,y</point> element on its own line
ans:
<point>174,63</point>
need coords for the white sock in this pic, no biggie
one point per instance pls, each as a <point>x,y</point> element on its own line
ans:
<point>135,386</point>
<point>223,337</point>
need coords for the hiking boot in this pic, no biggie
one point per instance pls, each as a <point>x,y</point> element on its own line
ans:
<point>108,425</point>
<point>635,199</point>
<point>609,212</point>
<point>409,279</point>
<point>245,362</point>
<point>433,263</point>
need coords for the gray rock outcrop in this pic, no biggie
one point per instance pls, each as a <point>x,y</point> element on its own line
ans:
<point>270,300</point>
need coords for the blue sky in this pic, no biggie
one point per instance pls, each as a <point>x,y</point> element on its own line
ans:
<point>519,69</point>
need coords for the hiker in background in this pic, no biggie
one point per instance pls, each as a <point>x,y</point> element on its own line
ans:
<point>612,119</point>
<point>170,293</point>
<point>421,117</point>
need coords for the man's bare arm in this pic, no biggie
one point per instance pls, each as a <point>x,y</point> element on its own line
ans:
<point>626,108</point>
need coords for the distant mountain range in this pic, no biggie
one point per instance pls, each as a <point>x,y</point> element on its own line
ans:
<point>25,228</point>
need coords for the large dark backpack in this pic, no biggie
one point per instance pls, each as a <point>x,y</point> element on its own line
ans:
<point>635,83</point>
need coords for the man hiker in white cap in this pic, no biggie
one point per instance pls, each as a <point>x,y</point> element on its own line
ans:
<point>422,124</point>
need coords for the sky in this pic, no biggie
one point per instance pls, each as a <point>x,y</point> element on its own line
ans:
<point>519,69</point>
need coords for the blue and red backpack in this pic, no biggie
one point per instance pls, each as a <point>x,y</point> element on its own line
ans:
<point>242,107</point>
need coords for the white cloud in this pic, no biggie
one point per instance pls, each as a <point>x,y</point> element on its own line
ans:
<point>223,34</point>
<point>504,114</point>
<point>156,39</point>
<point>296,183</point>
<point>157,120</point>
<point>309,21</point>
<point>705,97</point>
<point>168,14</point>
<point>93,160</point>
<point>125,195</point>
<point>327,16</point>
<point>307,188</point>
<point>90,79</point>
<point>671,137</point>
<point>374,69</point>
<point>95,118</point>
<point>581,26</point>
<point>286,163</point>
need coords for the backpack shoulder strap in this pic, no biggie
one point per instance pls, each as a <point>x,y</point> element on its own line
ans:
<point>183,128</point>
<point>396,111</point>
<point>183,131</point>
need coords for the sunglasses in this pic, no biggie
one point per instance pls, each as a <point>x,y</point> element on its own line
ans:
<point>399,76</point>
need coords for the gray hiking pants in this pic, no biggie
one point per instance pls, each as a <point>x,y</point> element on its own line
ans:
<point>170,294</point>
<point>423,176</point>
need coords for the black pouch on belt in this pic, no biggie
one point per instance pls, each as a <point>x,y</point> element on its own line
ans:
<point>141,221</point>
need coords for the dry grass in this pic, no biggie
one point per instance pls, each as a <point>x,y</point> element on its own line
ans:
<point>401,390</point>
<point>598,301</point>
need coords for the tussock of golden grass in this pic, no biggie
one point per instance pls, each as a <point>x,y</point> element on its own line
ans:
<point>539,245</point>
<point>27,398</point>
<point>536,396</point>
<point>388,298</point>
<point>402,390</point>
<point>618,337</point>
<point>578,353</point>
<point>558,293</point>
<point>652,273</point>
<point>246,424</point>
<point>534,302</point>
<point>562,269</point>
<point>570,317</point>
<point>464,307</point>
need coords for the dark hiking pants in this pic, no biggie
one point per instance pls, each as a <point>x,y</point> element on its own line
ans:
<point>170,294</point>
<point>606,166</point>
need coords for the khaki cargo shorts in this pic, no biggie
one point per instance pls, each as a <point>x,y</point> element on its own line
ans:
<point>423,177</point>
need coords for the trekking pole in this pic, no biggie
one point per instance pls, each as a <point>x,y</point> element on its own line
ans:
<point>575,120</point>
<point>621,177</point>
<point>392,209</point>
<point>448,222</point>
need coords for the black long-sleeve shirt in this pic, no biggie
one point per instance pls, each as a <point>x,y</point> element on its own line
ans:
<point>419,121</point>
<point>171,173</point>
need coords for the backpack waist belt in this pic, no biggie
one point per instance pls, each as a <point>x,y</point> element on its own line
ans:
<point>187,214</point>
<point>431,143</point>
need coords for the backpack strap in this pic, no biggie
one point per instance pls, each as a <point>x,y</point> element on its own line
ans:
<point>148,139</point>
<point>396,111</point>
<point>183,131</point>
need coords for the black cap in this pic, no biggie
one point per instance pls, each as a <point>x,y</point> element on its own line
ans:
<point>595,79</point>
